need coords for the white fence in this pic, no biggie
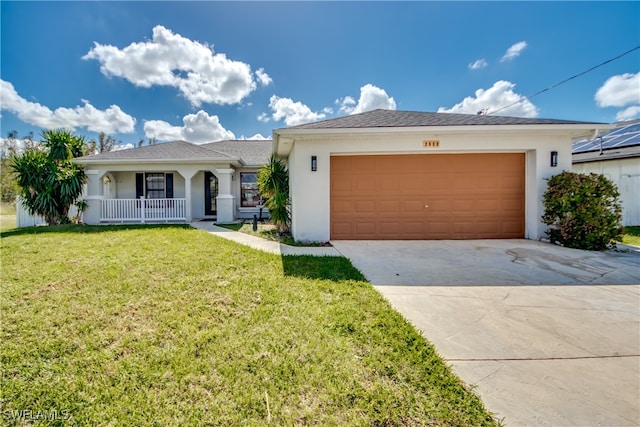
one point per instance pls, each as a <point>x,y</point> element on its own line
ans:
<point>25,219</point>
<point>143,210</point>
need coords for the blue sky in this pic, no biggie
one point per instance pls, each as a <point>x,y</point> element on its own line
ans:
<point>204,71</point>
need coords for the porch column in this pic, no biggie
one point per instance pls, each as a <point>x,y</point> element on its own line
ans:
<point>187,173</point>
<point>225,202</point>
<point>93,196</point>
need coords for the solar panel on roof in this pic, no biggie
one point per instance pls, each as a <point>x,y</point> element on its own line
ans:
<point>624,136</point>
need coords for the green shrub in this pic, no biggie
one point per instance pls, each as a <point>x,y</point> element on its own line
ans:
<point>583,211</point>
<point>273,183</point>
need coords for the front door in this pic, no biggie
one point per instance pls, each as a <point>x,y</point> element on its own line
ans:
<point>210,193</point>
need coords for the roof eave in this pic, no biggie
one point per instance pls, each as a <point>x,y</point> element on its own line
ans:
<point>284,138</point>
<point>591,157</point>
<point>165,161</point>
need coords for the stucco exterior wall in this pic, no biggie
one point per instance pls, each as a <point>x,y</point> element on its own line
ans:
<point>125,184</point>
<point>625,173</point>
<point>311,190</point>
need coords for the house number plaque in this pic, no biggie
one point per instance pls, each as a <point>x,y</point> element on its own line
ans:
<point>431,143</point>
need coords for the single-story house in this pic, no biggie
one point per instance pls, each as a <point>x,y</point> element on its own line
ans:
<point>382,174</point>
<point>388,174</point>
<point>615,154</point>
<point>175,181</point>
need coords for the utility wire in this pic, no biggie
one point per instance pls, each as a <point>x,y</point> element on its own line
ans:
<point>564,81</point>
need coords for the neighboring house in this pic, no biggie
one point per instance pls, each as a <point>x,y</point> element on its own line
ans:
<point>615,154</point>
<point>175,181</point>
<point>412,175</point>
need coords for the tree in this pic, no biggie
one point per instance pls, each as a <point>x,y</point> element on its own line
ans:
<point>273,184</point>
<point>104,144</point>
<point>583,210</point>
<point>50,182</point>
<point>9,147</point>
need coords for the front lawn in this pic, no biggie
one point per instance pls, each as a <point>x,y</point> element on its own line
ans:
<point>631,235</point>
<point>167,325</point>
<point>7,216</point>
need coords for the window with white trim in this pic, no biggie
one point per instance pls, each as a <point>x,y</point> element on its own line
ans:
<point>249,194</point>
<point>154,185</point>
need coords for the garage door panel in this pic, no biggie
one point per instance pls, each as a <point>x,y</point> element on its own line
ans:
<point>513,205</point>
<point>389,206</point>
<point>413,206</point>
<point>490,227</point>
<point>413,183</point>
<point>390,228</point>
<point>485,182</point>
<point>464,206</point>
<point>365,207</point>
<point>345,207</point>
<point>434,182</point>
<point>342,228</point>
<point>468,196</point>
<point>512,183</point>
<point>436,205</point>
<point>486,206</point>
<point>364,184</point>
<point>367,228</point>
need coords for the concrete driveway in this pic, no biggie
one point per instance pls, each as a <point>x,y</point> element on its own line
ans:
<point>548,335</point>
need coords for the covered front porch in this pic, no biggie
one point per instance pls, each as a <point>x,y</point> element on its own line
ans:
<point>175,182</point>
<point>131,194</point>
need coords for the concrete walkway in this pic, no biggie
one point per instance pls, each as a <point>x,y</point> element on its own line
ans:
<point>263,244</point>
<point>549,336</point>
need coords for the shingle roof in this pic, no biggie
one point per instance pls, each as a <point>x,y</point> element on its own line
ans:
<point>174,150</point>
<point>248,151</point>
<point>252,152</point>
<point>394,118</point>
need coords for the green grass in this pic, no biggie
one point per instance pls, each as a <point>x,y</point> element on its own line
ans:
<point>269,232</point>
<point>631,235</point>
<point>7,216</point>
<point>167,325</point>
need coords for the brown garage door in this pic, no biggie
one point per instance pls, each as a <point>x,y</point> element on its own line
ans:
<point>436,196</point>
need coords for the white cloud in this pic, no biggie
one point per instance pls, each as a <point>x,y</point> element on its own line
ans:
<point>169,59</point>
<point>629,113</point>
<point>346,104</point>
<point>498,96</point>
<point>514,51</point>
<point>256,137</point>
<point>263,77</point>
<point>293,113</point>
<point>619,91</point>
<point>198,128</point>
<point>119,147</point>
<point>371,98</point>
<point>264,118</point>
<point>478,64</point>
<point>111,120</point>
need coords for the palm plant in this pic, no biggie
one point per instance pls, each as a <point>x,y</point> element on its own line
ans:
<point>50,182</point>
<point>273,184</point>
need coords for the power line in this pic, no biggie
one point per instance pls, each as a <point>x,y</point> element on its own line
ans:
<point>564,81</point>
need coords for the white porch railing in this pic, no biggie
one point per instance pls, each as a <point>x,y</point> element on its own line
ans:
<point>143,210</point>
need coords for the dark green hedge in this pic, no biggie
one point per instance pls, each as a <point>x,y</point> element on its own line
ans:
<point>583,211</point>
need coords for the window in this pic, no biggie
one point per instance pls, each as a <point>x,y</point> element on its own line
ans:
<point>250,196</point>
<point>154,185</point>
